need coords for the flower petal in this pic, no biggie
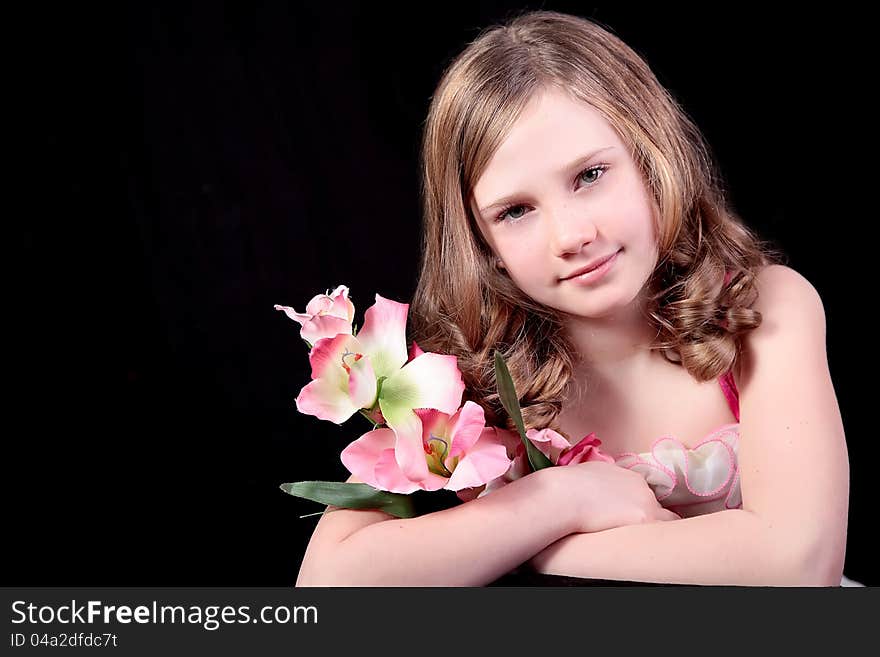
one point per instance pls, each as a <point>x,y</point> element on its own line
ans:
<point>371,459</point>
<point>320,303</point>
<point>429,381</point>
<point>342,306</point>
<point>521,466</point>
<point>586,449</point>
<point>334,303</point>
<point>434,422</point>
<point>332,395</point>
<point>299,318</point>
<point>383,335</point>
<point>511,440</point>
<point>360,456</point>
<point>516,451</point>
<point>484,461</point>
<point>324,326</point>
<point>414,351</point>
<point>409,449</point>
<point>326,357</point>
<point>465,428</point>
<point>325,315</point>
<point>550,443</point>
<point>324,399</point>
<point>390,477</point>
<point>361,381</point>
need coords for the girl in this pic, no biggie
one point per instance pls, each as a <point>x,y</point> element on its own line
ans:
<point>574,219</point>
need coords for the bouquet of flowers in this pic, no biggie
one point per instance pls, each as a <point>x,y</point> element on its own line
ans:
<point>423,438</point>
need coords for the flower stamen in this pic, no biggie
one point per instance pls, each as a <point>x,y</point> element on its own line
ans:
<point>357,357</point>
<point>436,448</point>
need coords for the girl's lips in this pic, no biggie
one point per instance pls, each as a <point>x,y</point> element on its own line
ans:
<point>590,277</point>
<point>591,267</point>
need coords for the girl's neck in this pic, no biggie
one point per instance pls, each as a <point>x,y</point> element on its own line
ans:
<point>613,351</point>
<point>618,340</point>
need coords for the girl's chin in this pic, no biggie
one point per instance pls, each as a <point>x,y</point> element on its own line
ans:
<point>595,309</point>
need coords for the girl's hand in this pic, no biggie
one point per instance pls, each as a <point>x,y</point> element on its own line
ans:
<point>598,495</point>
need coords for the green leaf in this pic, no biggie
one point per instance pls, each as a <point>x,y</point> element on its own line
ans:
<point>507,393</point>
<point>536,457</point>
<point>510,401</point>
<point>352,496</point>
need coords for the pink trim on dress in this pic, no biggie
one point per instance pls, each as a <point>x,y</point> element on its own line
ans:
<point>733,488</point>
<point>715,436</point>
<point>728,387</point>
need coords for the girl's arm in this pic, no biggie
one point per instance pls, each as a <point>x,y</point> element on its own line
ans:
<point>793,465</point>
<point>476,542</point>
<point>732,547</point>
<point>467,545</point>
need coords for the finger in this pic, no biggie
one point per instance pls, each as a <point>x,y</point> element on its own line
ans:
<point>669,515</point>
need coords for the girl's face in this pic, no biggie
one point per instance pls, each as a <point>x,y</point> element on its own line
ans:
<point>560,193</point>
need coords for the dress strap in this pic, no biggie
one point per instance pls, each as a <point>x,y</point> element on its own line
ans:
<point>728,387</point>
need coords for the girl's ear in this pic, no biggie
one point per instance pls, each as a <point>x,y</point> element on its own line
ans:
<point>498,263</point>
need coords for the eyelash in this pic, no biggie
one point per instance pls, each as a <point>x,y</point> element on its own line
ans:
<point>507,208</point>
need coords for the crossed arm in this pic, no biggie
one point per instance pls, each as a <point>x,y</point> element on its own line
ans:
<point>732,547</point>
<point>794,473</point>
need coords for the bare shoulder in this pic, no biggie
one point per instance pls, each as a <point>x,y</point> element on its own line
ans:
<point>792,316</point>
<point>787,300</point>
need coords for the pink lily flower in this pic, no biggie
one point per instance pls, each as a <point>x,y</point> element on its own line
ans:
<point>326,315</point>
<point>458,452</point>
<point>372,372</point>
<point>343,380</point>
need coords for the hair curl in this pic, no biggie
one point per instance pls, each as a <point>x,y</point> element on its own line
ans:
<point>466,306</point>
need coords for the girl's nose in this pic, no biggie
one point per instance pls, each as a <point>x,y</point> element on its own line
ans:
<point>569,232</point>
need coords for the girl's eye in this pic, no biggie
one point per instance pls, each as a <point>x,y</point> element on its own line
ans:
<point>598,169</point>
<point>508,212</point>
<point>513,211</point>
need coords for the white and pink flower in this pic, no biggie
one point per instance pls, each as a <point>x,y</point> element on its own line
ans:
<point>326,315</point>
<point>428,442</point>
<point>372,372</point>
<point>457,452</point>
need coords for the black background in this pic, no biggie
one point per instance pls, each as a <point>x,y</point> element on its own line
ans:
<point>188,165</point>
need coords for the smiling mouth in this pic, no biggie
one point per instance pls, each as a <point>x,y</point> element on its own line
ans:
<point>596,266</point>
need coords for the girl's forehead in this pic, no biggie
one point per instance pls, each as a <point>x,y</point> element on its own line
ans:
<point>553,134</point>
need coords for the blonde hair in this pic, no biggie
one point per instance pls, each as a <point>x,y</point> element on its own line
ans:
<point>465,306</point>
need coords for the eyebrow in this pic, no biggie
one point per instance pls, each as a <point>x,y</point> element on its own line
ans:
<point>576,163</point>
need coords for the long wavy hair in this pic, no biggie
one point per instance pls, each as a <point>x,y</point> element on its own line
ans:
<point>464,305</point>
